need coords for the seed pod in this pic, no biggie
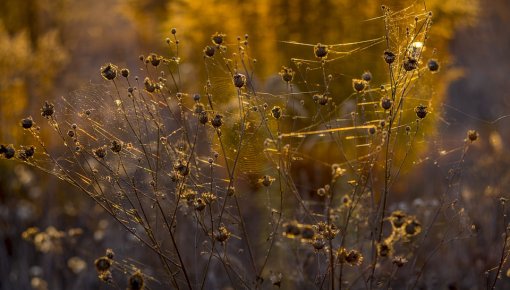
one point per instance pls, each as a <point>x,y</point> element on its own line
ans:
<point>217,121</point>
<point>109,71</point>
<point>136,281</point>
<point>366,76</point>
<point>154,59</point>
<point>320,50</point>
<point>124,72</point>
<point>209,51</point>
<point>287,74</point>
<point>47,110</point>
<point>386,103</point>
<point>239,80</point>
<point>218,38</point>
<point>100,152</point>
<point>421,111</point>
<point>203,118</point>
<point>410,64</point>
<point>472,135</point>
<point>433,65</point>
<point>389,57</point>
<point>358,85</point>
<point>27,123</point>
<point>276,112</point>
<point>103,264</point>
<point>116,146</point>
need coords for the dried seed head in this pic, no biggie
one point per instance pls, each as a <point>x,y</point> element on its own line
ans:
<point>109,253</point>
<point>47,110</point>
<point>217,121</point>
<point>203,118</point>
<point>222,234</point>
<point>155,59</point>
<point>384,249</point>
<point>218,38</point>
<point>287,74</point>
<point>386,103</point>
<point>198,108</point>
<point>399,261</point>
<point>366,76</point>
<point>239,80</point>
<point>421,111</point>
<point>27,123</point>
<point>103,264</point>
<point>276,112</point>
<point>389,57</point>
<point>109,71</point>
<point>318,243</point>
<point>173,31</point>
<point>136,281</point>
<point>266,180</point>
<point>358,85</point>
<point>116,146</point>
<point>321,192</point>
<point>397,219</point>
<point>8,151</point>
<point>209,51</point>
<point>150,86</point>
<point>320,50</point>
<point>372,130</point>
<point>196,97</point>
<point>412,227</point>
<point>100,152</point>
<point>410,64</point>
<point>472,135</point>
<point>124,72</point>
<point>433,65</point>
<point>199,204</point>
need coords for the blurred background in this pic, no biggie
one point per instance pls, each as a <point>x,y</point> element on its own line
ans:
<point>49,48</point>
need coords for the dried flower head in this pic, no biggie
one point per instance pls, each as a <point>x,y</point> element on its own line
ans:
<point>389,57</point>
<point>109,71</point>
<point>8,151</point>
<point>421,111</point>
<point>100,152</point>
<point>218,38</point>
<point>47,110</point>
<point>199,204</point>
<point>412,227</point>
<point>433,65</point>
<point>472,135</point>
<point>27,123</point>
<point>397,219</point>
<point>320,50</point>
<point>103,264</point>
<point>203,118</point>
<point>124,72</point>
<point>109,253</point>
<point>154,59</point>
<point>266,180</point>
<point>358,85</point>
<point>287,74</point>
<point>209,51</point>
<point>318,243</point>
<point>386,103</point>
<point>217,121</point>
<point>222,234</point>
<point>384,249</point>
<point>410,64</point>
<point>366,76</point>
<point>399,261</point>
<point>276,112</point>
<point>116,146</point>
<point>136,281</point>
<point>239,80</point>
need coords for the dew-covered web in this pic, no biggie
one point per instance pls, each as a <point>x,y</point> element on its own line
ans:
<point>228,176</point>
